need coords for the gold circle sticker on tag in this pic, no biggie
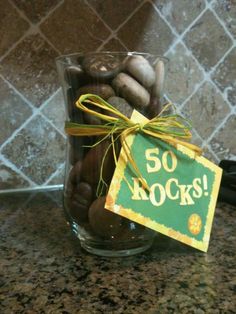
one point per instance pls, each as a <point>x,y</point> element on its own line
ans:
<point>194,224</point>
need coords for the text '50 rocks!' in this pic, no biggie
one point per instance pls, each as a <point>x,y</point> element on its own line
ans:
<point>173,189</point>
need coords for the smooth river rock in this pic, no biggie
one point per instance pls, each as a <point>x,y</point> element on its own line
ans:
<point>131,90</point>
<point>102,66</point>
<point>92,163</point>
<point>103,222</point>
<point>141,70</point>
<point>120,104</point>
<point>103,90</point>
<point>80,201</point>
<point>157,89</point>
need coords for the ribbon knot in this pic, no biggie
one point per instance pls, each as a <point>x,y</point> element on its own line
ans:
<point>140,126</point>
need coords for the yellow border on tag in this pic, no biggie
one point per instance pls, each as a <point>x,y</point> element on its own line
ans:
<point>130,214</point>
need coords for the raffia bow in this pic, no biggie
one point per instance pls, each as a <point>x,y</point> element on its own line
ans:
<point>169,128</point>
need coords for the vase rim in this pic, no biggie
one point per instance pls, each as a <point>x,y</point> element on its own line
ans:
<point>64,57</point>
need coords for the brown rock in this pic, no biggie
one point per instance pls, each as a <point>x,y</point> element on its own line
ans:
<point>141,70</point>
<point>74,76</point>
<point>78,204</point>
<point>157,89</point>
<point>75,149</point>
<point>75,173</point>
<point>92,163</point>
<point>103,222</point>
<point>103,90</point>
<point>120,104</point>
<point>131,90</point>
<point>102,66</point>
<point>154,107</point>
<point>72,111</point>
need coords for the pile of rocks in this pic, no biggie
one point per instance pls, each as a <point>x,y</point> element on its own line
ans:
<point>126,82</point>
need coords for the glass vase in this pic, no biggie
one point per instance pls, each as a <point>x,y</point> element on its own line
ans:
<point>127,81</point>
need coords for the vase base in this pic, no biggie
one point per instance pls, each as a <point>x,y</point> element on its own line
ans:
<point>113,247</point>
<point>114,253</point>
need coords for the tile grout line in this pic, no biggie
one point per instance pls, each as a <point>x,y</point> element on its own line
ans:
<point>14,134</point>
<point>126,19</point>
<point>209,73</point>
<point>24,16</point>
<point>17,131</point>
<point>196,89</point>
<point>180,111</point>
<point>113,32</point>
<point>100,48</point>
<point>20,12</point>
<point>211,8</point>
<point>52,124</point>
<point>29,30</point>
<point>179,36</point>
<point>130,16</point>
<point>44,18</point>
<point>98,15</point>
<point>105,42</point>
<point>54,174</point>
<point>48,41</point>
<point>34,27</point>
<point>9,84</point>
<point>12,166</point>
<point>218,127</point>
<point>45,103</point>
<point>40,111</point>
<point>16,43</point>
<point>206,76</point>
<point>208,146</point>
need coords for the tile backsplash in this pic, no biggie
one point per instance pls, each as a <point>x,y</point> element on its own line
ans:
<point>197,36</point>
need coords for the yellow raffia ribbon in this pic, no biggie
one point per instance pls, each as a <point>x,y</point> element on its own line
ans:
<point>170,128</point>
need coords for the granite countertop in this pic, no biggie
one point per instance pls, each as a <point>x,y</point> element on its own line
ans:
<point>44,270</point>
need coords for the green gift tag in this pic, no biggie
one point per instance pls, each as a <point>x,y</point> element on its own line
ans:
<point>183,189</point>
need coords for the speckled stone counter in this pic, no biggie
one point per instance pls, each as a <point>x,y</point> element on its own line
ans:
<point>44,270</point>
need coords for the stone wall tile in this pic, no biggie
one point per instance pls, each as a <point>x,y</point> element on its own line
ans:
<point>208,40</point>
<point>146,31</point>
<point>225,76</point>
<point>180,13</point>
<point>14,111</point>
<point>30,67</point>
<point>12,26</point>
<point>82,29</point>
<point>206,109</point>
<point>35,10</point>
<point>37,150</point>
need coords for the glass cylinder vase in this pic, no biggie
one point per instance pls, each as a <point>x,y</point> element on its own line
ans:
<point>127,81</point>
